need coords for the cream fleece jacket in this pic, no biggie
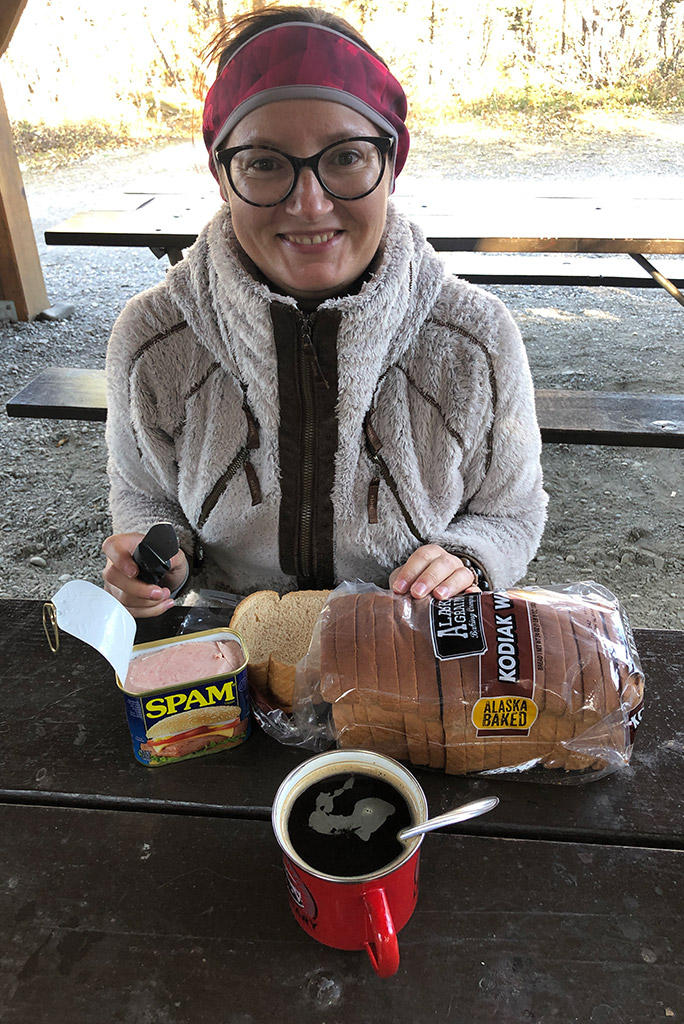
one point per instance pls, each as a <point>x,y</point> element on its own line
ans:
<point>434,364</point>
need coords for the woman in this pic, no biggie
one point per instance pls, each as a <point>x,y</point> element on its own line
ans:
<point>308,397</point>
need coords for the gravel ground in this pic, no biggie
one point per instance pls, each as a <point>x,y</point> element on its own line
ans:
<point>615,513</point>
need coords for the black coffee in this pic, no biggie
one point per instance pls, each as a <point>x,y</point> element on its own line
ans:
<point>347,824</point>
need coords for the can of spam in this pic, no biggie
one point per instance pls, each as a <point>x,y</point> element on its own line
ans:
<point>187,696</point>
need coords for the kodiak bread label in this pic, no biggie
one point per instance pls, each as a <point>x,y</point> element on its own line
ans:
<point>499,634</point>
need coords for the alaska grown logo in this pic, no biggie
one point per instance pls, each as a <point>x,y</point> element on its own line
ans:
<point>456,627</point>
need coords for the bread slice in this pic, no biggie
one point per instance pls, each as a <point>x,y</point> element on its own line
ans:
<point>416,738</point>
<point>277,632</point>
<point>435,738</point>
<point>338,648</point>
<point>351,724</point>
<point>454,718</point>
<point>430,705</point>
<point>388,670</point>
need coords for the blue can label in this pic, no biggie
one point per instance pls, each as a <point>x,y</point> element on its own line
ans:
<point>192,719</point>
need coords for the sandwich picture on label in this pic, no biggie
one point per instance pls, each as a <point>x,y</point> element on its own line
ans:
<point>188,733</point>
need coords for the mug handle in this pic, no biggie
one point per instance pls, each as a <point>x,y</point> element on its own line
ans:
<point>382,947</point>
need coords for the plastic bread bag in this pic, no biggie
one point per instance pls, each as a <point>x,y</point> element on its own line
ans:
<point>277,629</point>
<point>541,682</point>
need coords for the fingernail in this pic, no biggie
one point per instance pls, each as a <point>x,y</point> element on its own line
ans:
<point>169,604</point>
<point>400,586</point>
<point>441,592</point>
<point>156,593</point>
<point>420,589</point>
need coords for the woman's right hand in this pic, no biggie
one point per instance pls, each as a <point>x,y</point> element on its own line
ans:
<point>143,600</point>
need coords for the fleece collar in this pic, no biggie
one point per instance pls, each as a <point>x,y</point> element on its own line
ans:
<point>228,309</point>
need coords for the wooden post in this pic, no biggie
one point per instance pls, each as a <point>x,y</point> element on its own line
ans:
<point>21,276</point>
<point>10,13</point>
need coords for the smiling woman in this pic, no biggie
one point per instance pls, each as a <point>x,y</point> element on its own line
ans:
<point>307,243</point>
<point>309,397</point>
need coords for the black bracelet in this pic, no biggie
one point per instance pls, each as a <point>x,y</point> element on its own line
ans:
<point>480,578</point>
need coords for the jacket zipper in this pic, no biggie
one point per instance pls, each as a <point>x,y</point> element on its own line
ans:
<point>306,496</point>
<point>373,449</point>
<point>219,487</point>
<point>241,461</point>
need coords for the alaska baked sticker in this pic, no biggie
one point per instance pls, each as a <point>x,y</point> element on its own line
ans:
<point>498,631</point>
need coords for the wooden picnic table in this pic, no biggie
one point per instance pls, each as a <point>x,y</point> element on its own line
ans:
<point>66,741</point>
<point>140,894</point>
<point>141,917</point>
<point>487,218</point>
<point>489,232</point>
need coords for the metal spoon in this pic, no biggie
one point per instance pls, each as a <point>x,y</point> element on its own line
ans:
<point>462,813</point>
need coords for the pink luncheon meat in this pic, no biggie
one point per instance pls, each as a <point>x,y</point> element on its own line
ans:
<point>183,663</point>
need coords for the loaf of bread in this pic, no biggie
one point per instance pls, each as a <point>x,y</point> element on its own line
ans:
<point>482,682</point>
<point>277,632</point>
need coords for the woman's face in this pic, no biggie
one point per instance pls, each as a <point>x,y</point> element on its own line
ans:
<point>311,245</point>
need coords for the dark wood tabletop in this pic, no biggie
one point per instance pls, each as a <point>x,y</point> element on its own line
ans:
<point>145,918</point>
<point>65,742</point>
<point>140,895</point>
<point>506,218</point>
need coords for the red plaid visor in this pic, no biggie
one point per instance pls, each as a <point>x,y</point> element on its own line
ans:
<point>297,60</point>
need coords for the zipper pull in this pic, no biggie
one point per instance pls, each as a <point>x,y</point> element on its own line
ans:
<point>374,442</point>
<point>306,334</point>
<point>252,422</point>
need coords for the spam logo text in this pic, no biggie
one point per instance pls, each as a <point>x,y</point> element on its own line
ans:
<point>190,700</point>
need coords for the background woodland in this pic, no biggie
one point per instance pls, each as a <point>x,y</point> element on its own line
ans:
<point>124,70</point>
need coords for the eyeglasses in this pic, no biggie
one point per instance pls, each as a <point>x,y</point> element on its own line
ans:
<point>265,176</point>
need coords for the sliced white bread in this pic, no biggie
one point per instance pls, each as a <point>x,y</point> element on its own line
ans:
<point>277,632</point>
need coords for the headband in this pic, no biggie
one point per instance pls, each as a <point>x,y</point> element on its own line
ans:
<point>298,60</point>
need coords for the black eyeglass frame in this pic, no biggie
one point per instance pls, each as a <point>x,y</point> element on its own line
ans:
<point>383,143</point>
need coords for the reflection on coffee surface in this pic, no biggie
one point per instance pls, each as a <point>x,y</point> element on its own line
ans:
<point>347,824</point>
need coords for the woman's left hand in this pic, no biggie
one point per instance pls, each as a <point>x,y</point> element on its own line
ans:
<point>432,570</point>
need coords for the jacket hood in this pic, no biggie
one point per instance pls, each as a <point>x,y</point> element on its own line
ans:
<point>223,301</point>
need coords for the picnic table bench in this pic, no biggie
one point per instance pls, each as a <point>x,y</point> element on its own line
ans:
<point>571,417</point>
<point>502,233</point>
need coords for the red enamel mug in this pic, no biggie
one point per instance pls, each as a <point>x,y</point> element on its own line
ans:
<point>351,911</point>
